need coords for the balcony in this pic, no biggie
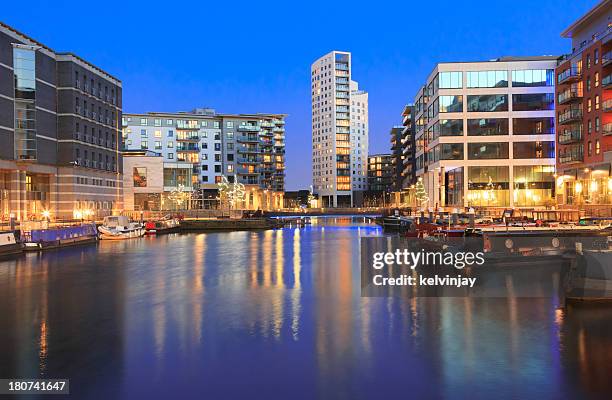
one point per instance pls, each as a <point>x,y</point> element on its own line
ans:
<point>569,75</point>
<point>606,59</point>
<point>187,148</point>
<point>188,139</point>
<point>248,149</point>
<point>607,129</point>
<point>247,138</point>
<point>571,135</point>
<point>249,160</point>
<point>342,88</point>
<point>342,67</point>
<point>342,116</point>
<point>247,171</point>
<point>278,129</point>
<point>606,106</point>
<point>572,156</point>
<point>570,116</point>
<point>248,128</point>
<point>342,95</point>
<point>606,81</point>
<point>568,96</point>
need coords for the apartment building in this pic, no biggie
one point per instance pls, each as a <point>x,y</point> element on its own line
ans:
<point>407,144</point>
<point>397,157</point>
<point>250,147</point>
<point>59,132</point>
<point>484,133</point>
<point>380,173</point>
<point>340,128</point>
<point>584,111</point>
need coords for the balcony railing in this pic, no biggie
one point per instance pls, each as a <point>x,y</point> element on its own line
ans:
<point>606,58</point>
<point>569,96</point>
<point>607,129</point>
<point>573,155</point>
<point>569,75</point>
<point>248,138</point>
<point>570,116</point>
<point>187,148</point>
<point>248,128</point>
<point>605,82</point>
<point>342,95</point>
<point>606,106</point>
<point>571,135</point>
<point>342,67</point>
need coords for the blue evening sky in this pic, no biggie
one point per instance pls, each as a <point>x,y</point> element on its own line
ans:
<point>255,56</point>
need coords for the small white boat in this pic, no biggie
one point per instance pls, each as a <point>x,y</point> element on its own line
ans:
<point>119,227</point>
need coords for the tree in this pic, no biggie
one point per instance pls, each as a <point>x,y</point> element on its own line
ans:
<point>179,196</point>
<point>420,193</point>
<point>233,193</point>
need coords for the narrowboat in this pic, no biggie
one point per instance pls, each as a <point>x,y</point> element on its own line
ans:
<point>119,227</point>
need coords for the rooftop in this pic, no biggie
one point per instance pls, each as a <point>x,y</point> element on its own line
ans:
<point>600,9</point>
<point>27,38</point>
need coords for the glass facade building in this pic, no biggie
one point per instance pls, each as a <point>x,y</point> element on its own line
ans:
<point>484,133</point>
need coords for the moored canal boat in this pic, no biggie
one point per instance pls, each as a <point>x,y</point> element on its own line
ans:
<point>119,227</point>
<point>9,244</point>
<point>168,224</point>
<point>61,236</point>
<point>590,279</point>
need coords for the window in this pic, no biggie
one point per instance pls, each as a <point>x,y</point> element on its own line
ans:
<point>487,103</point>
<point>143,133</point>
<point>144,144</point>
<point>170,133</point>
<point>524,150</point>
<point>170,156</point>
<point>450,127</point>
<point>451,103</point>
<point>230,146</point>
<point>157,134</point>
<point>487,79</point>
<point>597,124</point>
<point>140,176</point>
<point>170,145</point>
<point>533,77</point>
<point>590,148</point>
<point>450,80</point>
<point>143,121</point>
<point>157,122</point>
<point>230,135</point>
<point>217,146</point>
<point>588,61</point>
<point>229,124</point>
<point>597,147</point>
<point>597,102</point>
<point>158,145</point>
<point>533,126</point>
<point>533,102</point>
<point>589,105</point>
<point>589,127</point>
<point>487,151</point>
<point>217,168</point>
<point>230,157</point>
<point>487,126</point>
<point>230,168</point>
<point>451,151</point>
<point>596,79</point>
<point>169,122</point>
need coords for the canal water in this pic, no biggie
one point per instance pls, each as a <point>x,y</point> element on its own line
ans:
<point>278,315</point>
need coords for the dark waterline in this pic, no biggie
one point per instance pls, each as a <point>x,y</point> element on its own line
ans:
<point>278,315</point>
